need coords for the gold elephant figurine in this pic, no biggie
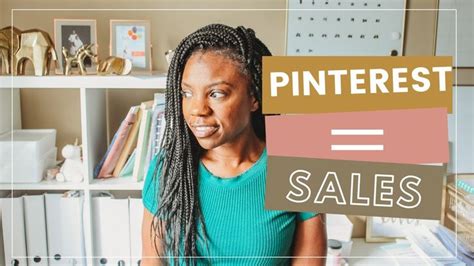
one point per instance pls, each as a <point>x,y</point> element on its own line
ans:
<point>35,45</point>
<point>78,58</point>
<point>9,42</point>
<point>114,65</point>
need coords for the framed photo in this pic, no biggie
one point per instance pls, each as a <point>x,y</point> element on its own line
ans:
<point>388,229</point>
<point>72,34</point>
<point>131,39</point>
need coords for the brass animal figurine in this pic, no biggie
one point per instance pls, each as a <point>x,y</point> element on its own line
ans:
<point>8,48</point>
<point>114,65</point>
<point>36,46</point>
<point>78,58</point>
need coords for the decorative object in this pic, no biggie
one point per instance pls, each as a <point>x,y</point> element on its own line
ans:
<point>169,55</point>
<point>26,154</point>
<point>73,34</point>
<point>72,170</point>
<point>9,43</point>
<point>388,229</point>
<point>353,28</point>
<point>51,173</point>
<point>35,45</point>
<point>130,39</point>
<point>78,58</point>
<point>114,65</point>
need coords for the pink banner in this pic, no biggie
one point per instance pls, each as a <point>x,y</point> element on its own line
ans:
<point>398,136</point>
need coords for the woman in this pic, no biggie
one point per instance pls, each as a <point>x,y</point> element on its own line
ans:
<point>204,193</point>
<point>75,43</point>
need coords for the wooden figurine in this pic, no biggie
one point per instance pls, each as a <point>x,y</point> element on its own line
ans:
<point>114,65</point>
<point>8,48</point>
<point>36,46</point>
<point>78,58</point>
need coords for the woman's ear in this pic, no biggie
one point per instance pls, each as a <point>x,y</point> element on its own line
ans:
<point>255,103</point>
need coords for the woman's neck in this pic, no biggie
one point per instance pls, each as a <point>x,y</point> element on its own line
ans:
<point>233,158</point>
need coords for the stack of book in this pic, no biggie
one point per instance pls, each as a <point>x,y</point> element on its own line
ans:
<point>459,211</point>
<point>136,142</point>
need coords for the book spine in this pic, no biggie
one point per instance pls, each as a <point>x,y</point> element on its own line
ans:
<point>143,136</point>
<point>117,147</point>
<point>130,143</point>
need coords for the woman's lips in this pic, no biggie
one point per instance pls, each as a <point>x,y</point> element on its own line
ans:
<point>204,131</point>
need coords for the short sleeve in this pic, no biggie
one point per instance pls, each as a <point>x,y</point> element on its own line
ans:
<point>303,216</point>
<point>150,188</point>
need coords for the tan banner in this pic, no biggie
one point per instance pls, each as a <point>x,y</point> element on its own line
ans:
<point>293,84</point>
<point>356,188</point>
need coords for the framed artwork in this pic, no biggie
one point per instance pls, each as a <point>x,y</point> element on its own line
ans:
<point>72,34</point>
<point>130,39</point>
<point>388,229</point>
<point>356,28</point>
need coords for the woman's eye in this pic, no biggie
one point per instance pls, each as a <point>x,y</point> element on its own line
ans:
<point>186,94</point>
<point>217,94</point>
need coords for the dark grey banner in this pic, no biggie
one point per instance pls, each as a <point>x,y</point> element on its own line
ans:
<point>353,187</point>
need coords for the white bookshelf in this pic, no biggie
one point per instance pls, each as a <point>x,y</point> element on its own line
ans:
<point>93,90</point>
<point>44,185</point>
<point>146,80</point>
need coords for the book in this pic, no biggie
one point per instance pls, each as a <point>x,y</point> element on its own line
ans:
<point>98,167</point>
<point>127,170</point>
<point>160,128</point>
<point>459,243</point>
<point>159,125</point>
<point>143,135</point>
<point>158,109</point>
<point>116,147</point>
<point>130,144</point>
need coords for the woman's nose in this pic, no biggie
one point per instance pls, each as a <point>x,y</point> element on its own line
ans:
<point>199,107</point>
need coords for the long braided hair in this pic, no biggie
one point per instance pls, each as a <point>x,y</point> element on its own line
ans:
<point>179,213</point>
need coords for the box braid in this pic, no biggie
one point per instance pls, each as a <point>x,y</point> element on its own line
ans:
<point>179,212</point>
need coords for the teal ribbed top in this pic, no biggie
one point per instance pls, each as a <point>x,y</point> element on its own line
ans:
<point>239,228</point>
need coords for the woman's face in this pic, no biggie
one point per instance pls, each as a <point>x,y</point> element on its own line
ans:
<point>216,100</point>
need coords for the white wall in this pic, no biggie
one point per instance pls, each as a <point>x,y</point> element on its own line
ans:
<point>461,131</point>
<point>7,105</point>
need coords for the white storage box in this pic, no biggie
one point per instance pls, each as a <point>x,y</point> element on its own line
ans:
<point>338,227</point>
<point>30,153</point>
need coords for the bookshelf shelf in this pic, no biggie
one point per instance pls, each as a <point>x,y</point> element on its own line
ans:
<point>116,183</point>
<point>43,185</point>
<point>93,121</point>
<point>145,80</point>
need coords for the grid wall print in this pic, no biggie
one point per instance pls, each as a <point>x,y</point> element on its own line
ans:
<point>345,27</point>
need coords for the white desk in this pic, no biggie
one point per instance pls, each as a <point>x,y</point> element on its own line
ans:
<point>363,253</point>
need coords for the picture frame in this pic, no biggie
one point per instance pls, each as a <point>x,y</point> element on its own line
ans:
<point>72,34</point>
<point>131,39</point>
<point>389,229</point>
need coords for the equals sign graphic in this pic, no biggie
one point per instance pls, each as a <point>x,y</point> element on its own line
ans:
<point>357,132</point>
